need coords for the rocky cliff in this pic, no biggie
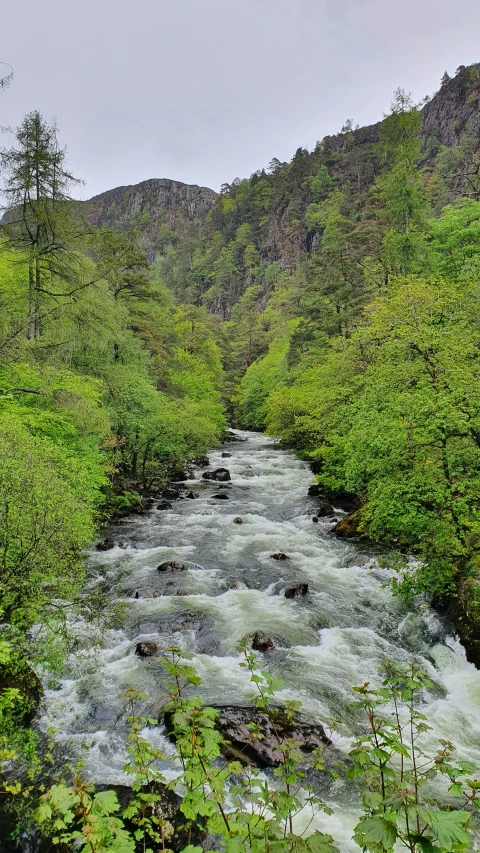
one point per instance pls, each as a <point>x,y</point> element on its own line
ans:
<point>201,237</point>
<point>161,210</point>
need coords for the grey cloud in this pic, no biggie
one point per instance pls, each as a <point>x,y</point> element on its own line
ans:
<point>205,90</point>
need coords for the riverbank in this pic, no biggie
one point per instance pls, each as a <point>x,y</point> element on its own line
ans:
<point>325,641</point>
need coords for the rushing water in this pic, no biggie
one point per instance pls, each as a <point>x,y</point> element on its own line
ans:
<point>332,639</point>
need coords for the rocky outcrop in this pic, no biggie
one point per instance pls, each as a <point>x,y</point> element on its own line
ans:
<point>159,209</point>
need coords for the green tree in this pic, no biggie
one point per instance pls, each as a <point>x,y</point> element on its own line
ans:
<point>39,219</point>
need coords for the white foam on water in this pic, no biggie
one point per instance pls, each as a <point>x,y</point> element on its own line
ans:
<point>338,636</point>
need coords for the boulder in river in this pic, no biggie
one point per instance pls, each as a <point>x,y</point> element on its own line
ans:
<point>226,455</point>
<point>172,566</point>
<point>238,520</point>
<point>233,722</point>
<point>192,495</point>
<point>181,476</point>
<point>261,642</point>
<point>232,436</point>
<point>164,505</point>
<point>236,583</point>
<point>296,591</point>
<point>171,494</point>
<point>221,497</point>
<point>279,556</point>
<point>146,650</point>
<point>315,519</point>
<point>220,475</point>
<point>325,509</point>
<point>202,462</point>
<point>105,545</point>
<point>346,528</point>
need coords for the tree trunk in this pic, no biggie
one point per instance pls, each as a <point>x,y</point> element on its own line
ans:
<point>31,301</point>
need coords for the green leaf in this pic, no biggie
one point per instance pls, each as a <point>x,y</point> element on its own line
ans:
<point>321,843</point>
<point>448,828</point>
<point>376,830</point>
<point>105,802</point>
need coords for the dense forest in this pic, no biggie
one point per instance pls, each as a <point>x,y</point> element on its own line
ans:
<point>332,302</point>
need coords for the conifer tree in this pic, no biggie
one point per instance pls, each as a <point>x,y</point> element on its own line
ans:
<point>39,219</point>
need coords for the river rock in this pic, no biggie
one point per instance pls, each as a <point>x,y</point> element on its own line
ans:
<point>325,509</point>
<point>221,497</point>
<point>105,545</point>
<point>232,436</point>
<point>358,560</point>
<point>315,490</point>
<point>146,650</point>
<point>233,723</point>
<point>202,462</point>
<point>261,642</point>
<point>181,476</point>
<point>184,592</point>
<point>346,528</point>
<point>226,455</point>
<point>220,475</point>
<point>315,519</point>
<point>164,505</point>
<point>172,566</point>
<point>296,591</point>
<point>171,494</point>
<point>236,583</point>
<point>279,556</point>
<point>238,520</point>
<point>192,495</point>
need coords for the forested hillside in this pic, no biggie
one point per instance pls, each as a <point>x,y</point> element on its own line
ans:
<point>107,385</point>
<point>347,280</point>
<point>331,302</point>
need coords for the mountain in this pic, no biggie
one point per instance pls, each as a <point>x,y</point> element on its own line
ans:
<point>212,247</point>
<point>158,208</point>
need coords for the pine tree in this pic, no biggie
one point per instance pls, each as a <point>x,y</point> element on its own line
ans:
<point>39,219</point>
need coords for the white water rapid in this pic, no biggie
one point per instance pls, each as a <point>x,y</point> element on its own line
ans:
<point>335,637</point>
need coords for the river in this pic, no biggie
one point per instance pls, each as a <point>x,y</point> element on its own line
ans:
<point>335,637</point>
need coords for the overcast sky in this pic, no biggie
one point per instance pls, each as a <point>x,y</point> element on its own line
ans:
<point>203,91</point>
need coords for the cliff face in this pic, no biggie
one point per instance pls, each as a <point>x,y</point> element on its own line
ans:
<point>455,106</point>
<point>444,117</point>
<point>161,210</point>
<point>198,234</point>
